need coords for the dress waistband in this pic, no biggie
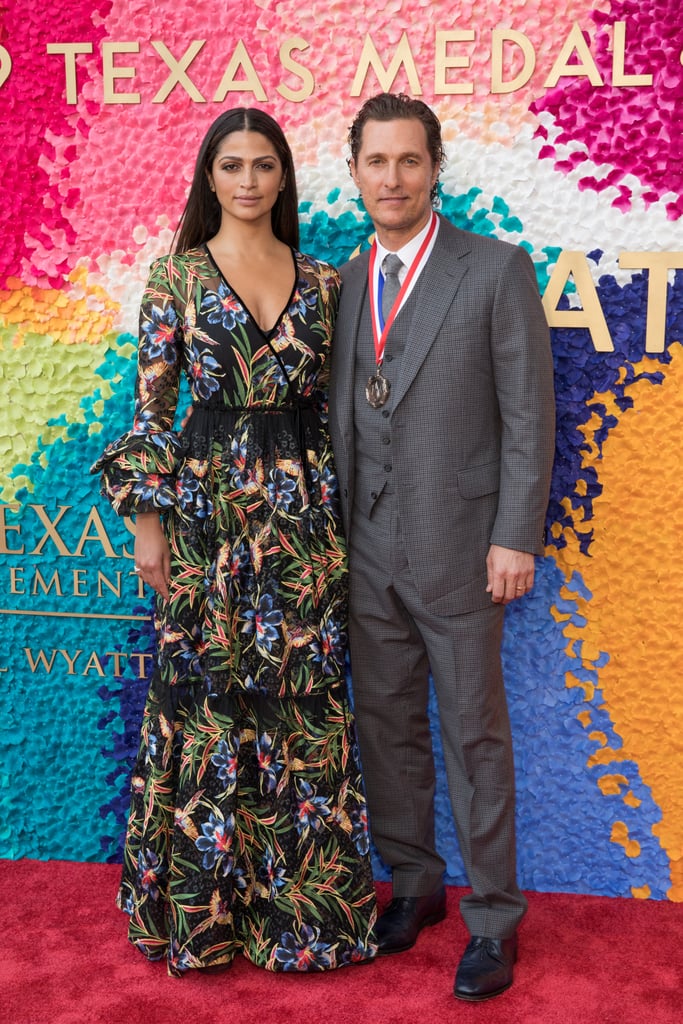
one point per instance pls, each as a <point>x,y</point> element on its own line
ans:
<point>262,408</point>
<point>297,409</point>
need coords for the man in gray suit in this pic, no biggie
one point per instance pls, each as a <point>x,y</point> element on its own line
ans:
<point>442,420</point>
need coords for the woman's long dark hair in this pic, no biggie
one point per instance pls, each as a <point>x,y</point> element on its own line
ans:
<point>201,217</point>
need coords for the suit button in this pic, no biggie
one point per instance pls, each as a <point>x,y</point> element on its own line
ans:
<point>385,413</point>
<point>387,467</point>
<point>388,358</point>
<point>373,494</point>
<point>386,440</point>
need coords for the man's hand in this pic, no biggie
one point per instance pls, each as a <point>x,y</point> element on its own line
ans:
<point>510,573</point>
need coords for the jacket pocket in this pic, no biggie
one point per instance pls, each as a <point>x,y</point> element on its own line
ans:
<point>480,480</point>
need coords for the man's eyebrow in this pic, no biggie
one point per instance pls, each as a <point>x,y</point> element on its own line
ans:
<point>401,156</point>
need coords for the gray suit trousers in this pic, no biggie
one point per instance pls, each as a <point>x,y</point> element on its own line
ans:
<point>394,642</point>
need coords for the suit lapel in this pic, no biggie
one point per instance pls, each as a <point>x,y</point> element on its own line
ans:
<point>441,277</point>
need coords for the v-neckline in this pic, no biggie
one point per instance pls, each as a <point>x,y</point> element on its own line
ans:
<point>266,333</point>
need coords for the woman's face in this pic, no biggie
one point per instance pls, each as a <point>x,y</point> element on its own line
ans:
<point>246,175</point>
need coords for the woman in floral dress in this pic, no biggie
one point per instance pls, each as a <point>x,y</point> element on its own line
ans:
<point>247,831</point>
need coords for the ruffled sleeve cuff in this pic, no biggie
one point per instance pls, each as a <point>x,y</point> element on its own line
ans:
<point>139,470</point>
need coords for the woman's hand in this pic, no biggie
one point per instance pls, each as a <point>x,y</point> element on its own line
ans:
<point>152,553</point>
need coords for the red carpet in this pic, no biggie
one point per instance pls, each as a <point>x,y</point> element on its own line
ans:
<point>64,959</point>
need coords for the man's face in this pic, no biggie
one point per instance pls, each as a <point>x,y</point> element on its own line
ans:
<point>395,174</point>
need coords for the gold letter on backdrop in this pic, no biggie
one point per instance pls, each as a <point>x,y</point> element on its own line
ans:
<point>658,264</point>
<point>306,90</point>
<point>442,62</point>
<point>51,531</point>
<point>618,75</point>
<point>70,50</point>
<point>251,83</point>
<point>178,67</point>
<point>110,72</point>
<point>587,66</point>
<point>500,37</point>
<point>5,65</point>
<point>385,77</point>
<point>5,549</point>
<point>573,264</point>
<point>100,535</point>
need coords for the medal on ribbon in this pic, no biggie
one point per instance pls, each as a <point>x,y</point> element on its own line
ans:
<point>378,388</point>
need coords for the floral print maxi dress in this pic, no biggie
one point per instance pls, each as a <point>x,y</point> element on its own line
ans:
<point>247,831</point>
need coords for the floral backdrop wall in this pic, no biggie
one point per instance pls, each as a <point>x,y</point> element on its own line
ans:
<point>562,128</point>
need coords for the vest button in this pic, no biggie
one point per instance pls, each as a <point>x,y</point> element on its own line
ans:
<point>387,467</point>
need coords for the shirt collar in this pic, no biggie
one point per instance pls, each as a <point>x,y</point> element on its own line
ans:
<point>409,251</point>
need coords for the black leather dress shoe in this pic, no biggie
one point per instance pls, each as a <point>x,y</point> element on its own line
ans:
<point>400,924</point>
<point>486,968</point>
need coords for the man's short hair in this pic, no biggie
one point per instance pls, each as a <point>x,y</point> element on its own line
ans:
<point>387,106</point>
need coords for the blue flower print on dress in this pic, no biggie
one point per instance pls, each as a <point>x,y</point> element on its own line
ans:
<point>264,621</point>
<point>149,487</point>
<point>187,487</point>
<point>304,953</point>
<point>149,871</point>
<point>311,809</point>
<point>281,375</point>
<point>360,832</point>
<point>221,307</point>
<point>216,843</point>
<point>225,759</point>
<point>144,420</point>
<point>270,875</point>
<point>183,652</point>
<point>269,765</point>
<point>240,880</point>
<point>127,903</point>
<point>158,334</point>
<point>181,959</point>
<point>329,650</point>
<point>305,298</point>
<point>358,954</point>
<point>281,489</point>
<point>203,371</point>
<point>329,487</point>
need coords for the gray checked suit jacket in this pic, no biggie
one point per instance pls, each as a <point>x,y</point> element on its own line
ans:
<point>472,417</point>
